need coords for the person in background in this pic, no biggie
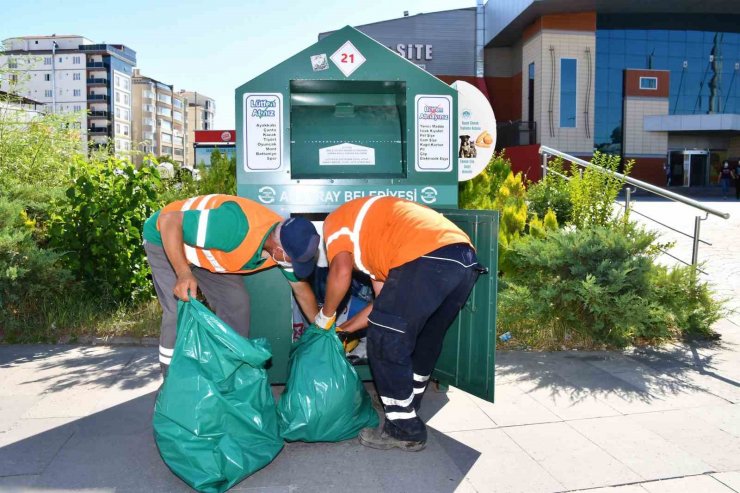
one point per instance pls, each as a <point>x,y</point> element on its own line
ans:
<point>726,177</point>
<point>205,241</point>
<point>667,170</point>
<point>423,269</point>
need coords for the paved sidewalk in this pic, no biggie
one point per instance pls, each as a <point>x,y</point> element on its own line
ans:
<point>651,420</point>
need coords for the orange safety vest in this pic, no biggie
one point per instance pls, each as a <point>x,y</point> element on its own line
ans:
<point>387,232</point>
<point>259,218</point>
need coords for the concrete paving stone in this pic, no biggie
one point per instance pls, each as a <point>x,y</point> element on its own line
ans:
<point>569,457</point>
<point>565,401</point>
<point>729,479</point>
<point>32,444</point>
<point>704,440</point>
<point>625,441</point>
<point>458,413</point>
<point>629,488</point>
<point>13,484</point>
<point>348,466</point>
<point>503,466</point>
<point>726,418</point>
<point>73,403</point>
<point>12,407</point>
<point>703,484</point>
<point>513,407</point>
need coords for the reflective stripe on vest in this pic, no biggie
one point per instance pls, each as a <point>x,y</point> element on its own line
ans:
<point>354,234</point>
<point>190,252</point>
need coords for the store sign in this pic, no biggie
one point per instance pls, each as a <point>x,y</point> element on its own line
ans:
<point>416,52</point>
<point>263,131</point>
<point>476,126</point>
<point>433,125</point>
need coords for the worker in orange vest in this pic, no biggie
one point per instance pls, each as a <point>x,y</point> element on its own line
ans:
<point>423,269</point>
<point>203,241</point>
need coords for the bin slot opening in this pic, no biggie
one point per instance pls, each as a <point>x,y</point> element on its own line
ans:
<point>347,129</point>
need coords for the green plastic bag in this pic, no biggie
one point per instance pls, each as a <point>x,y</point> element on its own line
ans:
<point>214,420</point>
<point>324,399</point>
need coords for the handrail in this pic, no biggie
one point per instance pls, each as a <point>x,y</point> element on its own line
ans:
<point>638,183</point>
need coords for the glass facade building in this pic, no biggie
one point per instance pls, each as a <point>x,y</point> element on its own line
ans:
<point>702,55</point>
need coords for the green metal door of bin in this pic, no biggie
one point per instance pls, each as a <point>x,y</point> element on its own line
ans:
<point>467,359</point>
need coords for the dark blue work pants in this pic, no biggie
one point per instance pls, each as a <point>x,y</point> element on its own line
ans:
<point>418,303</point>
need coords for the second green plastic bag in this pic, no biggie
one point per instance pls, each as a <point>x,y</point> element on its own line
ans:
<point>324,399</point>
<point>214,419</point>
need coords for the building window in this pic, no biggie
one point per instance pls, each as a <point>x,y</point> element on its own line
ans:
<point>126,115</point>
<point>649,83</point>
<point>76,76</point>
<point>118,128</point>
<point>47,93</point>
<point>12,63</point>
<point>126,100</point>
<point>47,77</point>
<point>127,84</point>
<point>125,130</point>
<point>60,59</point>
<point>118,81</point>
<point>47,60</point>
<point>118,97</point>
<point>118,112</point>
<point>14,78</point>
<point>530,93</point>
<point>77,107</point>
<point>568,71</point>
<point>77,92</point>
<point>76,60</point>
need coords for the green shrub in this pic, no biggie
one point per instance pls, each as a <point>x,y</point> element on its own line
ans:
<point>28,273</point>
<point>551,193</point>
<point>593,192</point>
<point>599,284</point>
<point>480,192</point>
<point>99,226</point>
<point>220,177</point>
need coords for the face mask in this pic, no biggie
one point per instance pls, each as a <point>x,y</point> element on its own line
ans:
<point>282,263</point>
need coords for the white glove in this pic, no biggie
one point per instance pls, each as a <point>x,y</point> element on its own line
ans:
<point>324,322</point>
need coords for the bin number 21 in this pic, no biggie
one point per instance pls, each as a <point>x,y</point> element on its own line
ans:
<point>348,58</point>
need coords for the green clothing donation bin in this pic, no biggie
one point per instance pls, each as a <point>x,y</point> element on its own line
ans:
<point>348,118</point>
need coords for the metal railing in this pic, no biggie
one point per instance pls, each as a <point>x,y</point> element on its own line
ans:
<point>547,152</point>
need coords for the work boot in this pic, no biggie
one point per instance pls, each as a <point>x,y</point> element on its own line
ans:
<point>378,439</point>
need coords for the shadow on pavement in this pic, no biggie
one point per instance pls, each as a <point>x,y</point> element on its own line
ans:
<point>114,450</point>
<point>58,368</point>
<point>637,375</point>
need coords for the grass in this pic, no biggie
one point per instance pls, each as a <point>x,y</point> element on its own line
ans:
<point>77,317</point>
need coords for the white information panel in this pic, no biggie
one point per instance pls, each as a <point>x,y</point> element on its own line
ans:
<point>263,131</point>
<point>433,122</point>
<point>476,129</point>
<point>347,154</point>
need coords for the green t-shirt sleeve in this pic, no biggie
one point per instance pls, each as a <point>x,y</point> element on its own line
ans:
<point>288,273</point>
<point>223,228</point>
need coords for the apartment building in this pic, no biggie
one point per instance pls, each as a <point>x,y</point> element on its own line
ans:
<point>159,125</point>
<point>70,73</point>
<point>201,111</point>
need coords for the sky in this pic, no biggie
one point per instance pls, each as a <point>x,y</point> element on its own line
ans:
<point>210,47</point>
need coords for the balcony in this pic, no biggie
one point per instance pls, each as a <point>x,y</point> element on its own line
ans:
<point>97,97</point>
<point>97,65</point>
<point>98,130</point>
<point>99,114</point>
<point>93,81</point>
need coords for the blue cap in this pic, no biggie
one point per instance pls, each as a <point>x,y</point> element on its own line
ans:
<point>300,241</point>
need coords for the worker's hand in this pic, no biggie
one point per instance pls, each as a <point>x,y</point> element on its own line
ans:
<point>349,341</point>
<point>186,286</point>
<point>324,322</point>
